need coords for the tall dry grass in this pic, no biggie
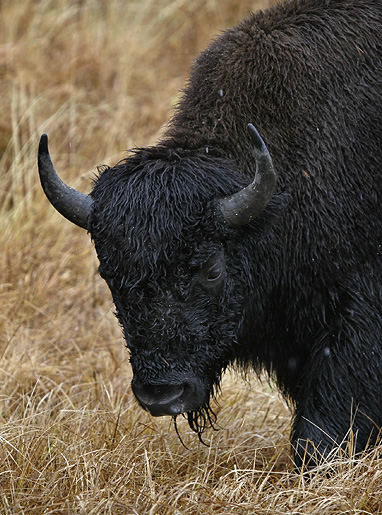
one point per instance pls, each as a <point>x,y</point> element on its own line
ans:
<point>101,77</point>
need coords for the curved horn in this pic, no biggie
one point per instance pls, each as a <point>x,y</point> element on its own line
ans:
<point>72,204</point>
<point>243,206</point>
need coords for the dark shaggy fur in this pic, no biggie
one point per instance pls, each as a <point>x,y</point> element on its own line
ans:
<point>296,292</point>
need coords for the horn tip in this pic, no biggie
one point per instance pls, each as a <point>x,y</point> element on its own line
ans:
<point>257,140</point>
<point>43,146</point>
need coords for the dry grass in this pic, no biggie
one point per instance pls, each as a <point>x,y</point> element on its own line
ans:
<point>100,77</point>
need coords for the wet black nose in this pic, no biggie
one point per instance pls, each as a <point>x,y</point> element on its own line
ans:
<point>165,399</point>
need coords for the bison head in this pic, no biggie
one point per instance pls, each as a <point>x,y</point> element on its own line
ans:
<point>167,228</point>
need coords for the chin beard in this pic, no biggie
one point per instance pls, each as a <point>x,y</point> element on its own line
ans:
<point>199,420</point>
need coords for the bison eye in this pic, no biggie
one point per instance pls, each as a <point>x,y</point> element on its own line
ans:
<point>214,274</point>
<point>214,271</point>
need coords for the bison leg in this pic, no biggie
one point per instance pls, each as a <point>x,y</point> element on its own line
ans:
<point>340,400</point>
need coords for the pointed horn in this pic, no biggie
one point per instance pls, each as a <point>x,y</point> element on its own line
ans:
<point>245,205</point>
<point>72,204</point>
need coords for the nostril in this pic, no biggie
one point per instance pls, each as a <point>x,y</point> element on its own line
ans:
<point>149,394</point>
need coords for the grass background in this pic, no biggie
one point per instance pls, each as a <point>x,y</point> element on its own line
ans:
<point>101,77</point>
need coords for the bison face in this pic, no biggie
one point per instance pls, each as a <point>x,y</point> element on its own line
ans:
<point>181,324</point>
<point>175,273</point>
<point>180,332</point>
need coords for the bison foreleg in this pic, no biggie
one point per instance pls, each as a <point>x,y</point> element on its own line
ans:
<point>339,401</point>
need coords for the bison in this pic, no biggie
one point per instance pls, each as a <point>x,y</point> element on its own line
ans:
<point>222,250</point>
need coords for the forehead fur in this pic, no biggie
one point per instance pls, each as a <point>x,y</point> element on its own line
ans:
<point>150,204</point>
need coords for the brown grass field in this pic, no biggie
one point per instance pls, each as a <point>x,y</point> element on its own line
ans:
<point>101,77</point>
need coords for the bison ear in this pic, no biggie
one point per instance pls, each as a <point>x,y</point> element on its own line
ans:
<point>246,204</point>
<point>72,204</point>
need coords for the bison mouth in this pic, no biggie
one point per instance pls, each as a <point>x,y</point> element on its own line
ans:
<point>189,399</point>
<point>170,398</point>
